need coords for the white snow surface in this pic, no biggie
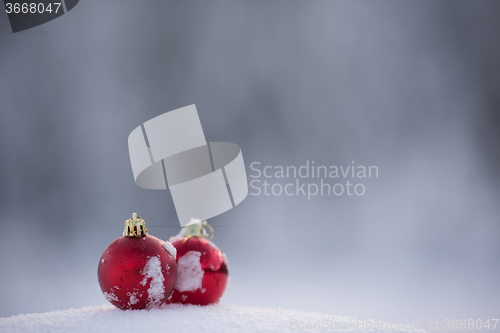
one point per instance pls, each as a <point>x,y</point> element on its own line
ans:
<point>189,272</point>
<point>178,318</point>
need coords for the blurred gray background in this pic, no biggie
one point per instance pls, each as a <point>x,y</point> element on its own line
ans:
<point>410,86</point>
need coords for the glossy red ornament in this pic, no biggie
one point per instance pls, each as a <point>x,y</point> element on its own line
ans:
<point>201,266</point>
<point>137,271</point>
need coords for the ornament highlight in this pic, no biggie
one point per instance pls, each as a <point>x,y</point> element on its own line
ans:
<point>201,266</point>
<point>137,271</point>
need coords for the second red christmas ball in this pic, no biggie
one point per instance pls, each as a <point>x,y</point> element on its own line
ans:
<point>201,266</point>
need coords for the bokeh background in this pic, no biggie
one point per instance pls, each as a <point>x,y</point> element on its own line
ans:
<point>412,87</point>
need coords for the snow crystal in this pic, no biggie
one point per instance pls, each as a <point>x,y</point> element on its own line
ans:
<point>133,298</point>
<point>224,258</point>
<point>156,290</point>
<point>179,318</point>
<point>110,296</point>
<point>170,248</point>
<point>189,272</point>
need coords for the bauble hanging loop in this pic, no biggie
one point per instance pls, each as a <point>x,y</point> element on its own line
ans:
<point>196,228</point>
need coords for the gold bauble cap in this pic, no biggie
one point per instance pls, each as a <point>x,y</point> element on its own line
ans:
<point>135,227</point>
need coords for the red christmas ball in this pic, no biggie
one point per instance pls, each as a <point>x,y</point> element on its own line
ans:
<point>137,271</point>
<point>202,271</point>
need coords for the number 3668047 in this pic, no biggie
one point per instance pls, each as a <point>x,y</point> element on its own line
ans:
<point>32,8</point>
